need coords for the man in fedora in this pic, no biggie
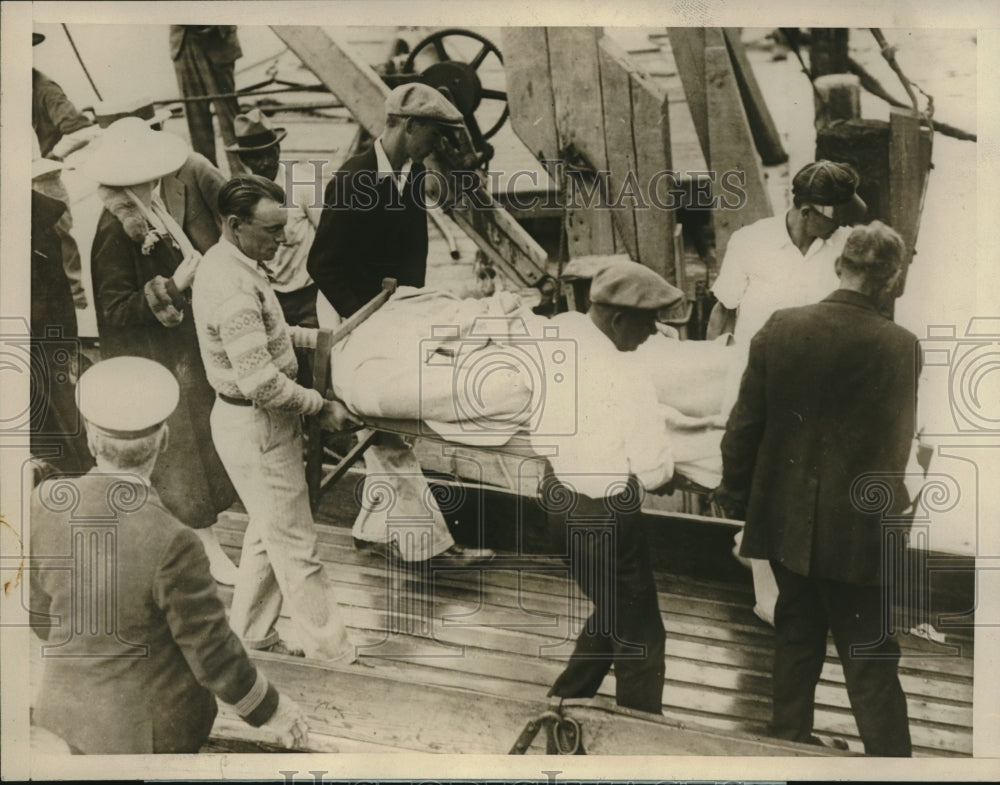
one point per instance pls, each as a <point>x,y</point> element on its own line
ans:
<point>191,194</point>
<point>137,667</point>
<point>259,148</point>
<point>60,129</point>
<point>374,226</point>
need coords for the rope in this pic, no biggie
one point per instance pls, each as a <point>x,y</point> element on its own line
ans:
<point>76,51</point>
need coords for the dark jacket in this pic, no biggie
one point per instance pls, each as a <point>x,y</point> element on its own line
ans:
<point>133,296</point>
<point>52,113</point>
<point>143,676</point>
<point>368,231</point>
<point>191,195</point>
<point>828,397</point>
<point>219,42</point>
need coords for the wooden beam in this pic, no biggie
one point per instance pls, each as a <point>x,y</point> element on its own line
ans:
<point>688,46</point>
<point>733,155</point>
<point>909,156</point>
<point>655,224</point>
<point>909,163</point>
<point>616,90</point>
<point>765,133</point>
<point>363,92</point>
<point>529,89</point>
<point>576,92</point>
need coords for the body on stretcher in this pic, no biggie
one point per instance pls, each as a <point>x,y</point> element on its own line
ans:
<point>378,357</point>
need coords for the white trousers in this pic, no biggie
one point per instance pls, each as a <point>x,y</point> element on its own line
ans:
<point>280,566</point>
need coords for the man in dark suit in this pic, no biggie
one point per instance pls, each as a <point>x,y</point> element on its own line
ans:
<point>204,62</point>
<point>374,226</point>
<point>826,405</point>
<point>135,662</point>
<point>191,195</point>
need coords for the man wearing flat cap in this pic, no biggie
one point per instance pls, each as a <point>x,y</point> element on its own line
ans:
<point>620,450</point>
<point>815,452</point>
<point>374,226</point>
<point>781,262</point>
<point>259,148</point>
<point>136,664</point>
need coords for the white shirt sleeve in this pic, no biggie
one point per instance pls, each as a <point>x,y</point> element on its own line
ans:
<point>731,284</point>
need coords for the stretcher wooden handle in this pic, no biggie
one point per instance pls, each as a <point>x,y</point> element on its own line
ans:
<point>349,325</point>
<point>326,340</point>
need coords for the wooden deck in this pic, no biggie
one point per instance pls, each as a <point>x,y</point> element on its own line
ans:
<point>497,637</point>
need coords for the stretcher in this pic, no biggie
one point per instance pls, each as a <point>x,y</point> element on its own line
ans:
<point>324,467</point>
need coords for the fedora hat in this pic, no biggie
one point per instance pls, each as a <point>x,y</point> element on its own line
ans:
<point>108,112</point>
<point>254,132</point>
<point>131,153</point>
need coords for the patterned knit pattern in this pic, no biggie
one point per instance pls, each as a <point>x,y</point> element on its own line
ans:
<point>245,344</point>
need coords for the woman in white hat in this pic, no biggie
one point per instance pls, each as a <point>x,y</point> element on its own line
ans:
<point>142,265</point>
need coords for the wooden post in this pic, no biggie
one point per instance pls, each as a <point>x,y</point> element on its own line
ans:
<point>688,47</point>
<point>651,129</point>
<point>616,93</point>
<point>765,133</point>
<point>733,155</point>
<point>576,92</point>
<point>837,98</point>
<point>828,53</point>
<point>909,160</point>
<point>529,89</point>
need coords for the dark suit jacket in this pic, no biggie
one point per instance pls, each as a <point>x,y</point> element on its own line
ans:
<point>52,113</point>
<point>828,396</point>
<point>191,195</point>
<point>145,677</point>
<point>368,231</point>
<point>218,42</point>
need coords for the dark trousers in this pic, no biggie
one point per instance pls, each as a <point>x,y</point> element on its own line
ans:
<point>299,306</point>
<point>807,609</point>
<point>198,75</point>
<point>609,560</point>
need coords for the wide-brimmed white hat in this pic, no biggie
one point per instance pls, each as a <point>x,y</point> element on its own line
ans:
<point>131,153</point>
<point>110,111</point>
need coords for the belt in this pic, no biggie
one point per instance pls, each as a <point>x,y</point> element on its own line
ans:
<point>234,401</point>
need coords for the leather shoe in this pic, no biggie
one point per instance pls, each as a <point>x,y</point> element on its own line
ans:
<point>460,556</point>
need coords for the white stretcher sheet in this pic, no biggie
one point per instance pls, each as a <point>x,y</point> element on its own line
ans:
<point>478,370</point>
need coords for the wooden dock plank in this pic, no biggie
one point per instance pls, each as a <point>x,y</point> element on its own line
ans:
<point>510,628</point>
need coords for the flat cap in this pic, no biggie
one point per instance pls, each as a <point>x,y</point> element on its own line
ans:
<point>127,397</point>
<point>419,100</point>
<point>833,185</point>
<point>632,285</point>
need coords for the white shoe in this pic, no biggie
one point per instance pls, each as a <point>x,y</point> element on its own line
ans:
<point>219,564</point>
